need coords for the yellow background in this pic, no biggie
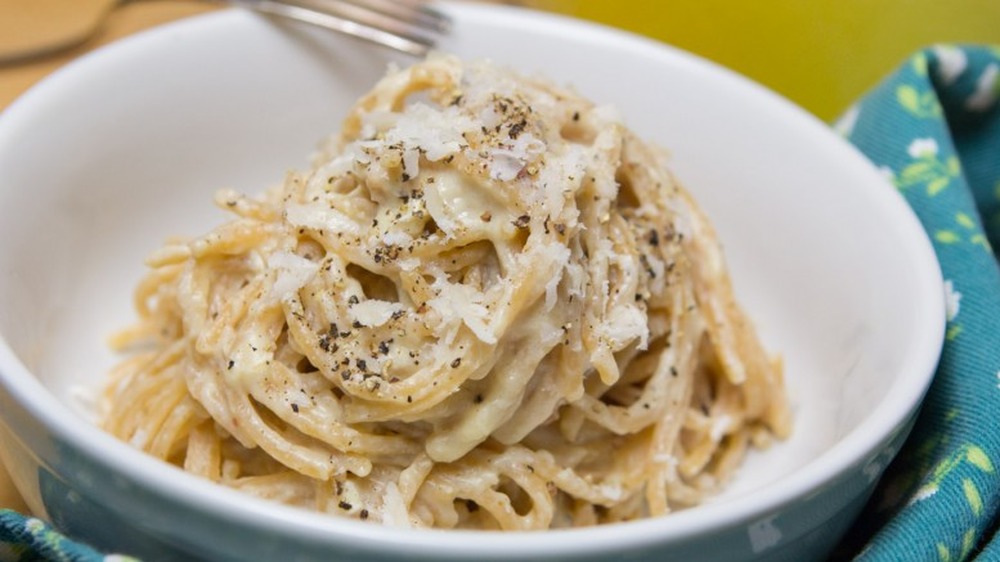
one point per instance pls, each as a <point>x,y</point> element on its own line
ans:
<point>823,54</point>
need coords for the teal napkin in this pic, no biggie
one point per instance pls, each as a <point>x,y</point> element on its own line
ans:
<point>933,127</point>
<point>27,539</point>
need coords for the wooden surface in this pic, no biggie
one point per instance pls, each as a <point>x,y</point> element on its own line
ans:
<point>38,17</point>
<point>9,497</point>
<point>16,78</point>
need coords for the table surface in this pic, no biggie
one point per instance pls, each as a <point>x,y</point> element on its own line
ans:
<point>15,79</point>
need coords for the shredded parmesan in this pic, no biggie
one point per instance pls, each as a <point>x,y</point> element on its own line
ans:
<point>487,305</point>
<point>374,313</point>
<point>292,273</point>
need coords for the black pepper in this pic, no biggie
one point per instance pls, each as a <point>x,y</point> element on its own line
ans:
<point>517,128</point>
<point>649,268</point>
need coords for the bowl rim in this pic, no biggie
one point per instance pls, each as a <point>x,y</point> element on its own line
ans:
<point>852,451</point>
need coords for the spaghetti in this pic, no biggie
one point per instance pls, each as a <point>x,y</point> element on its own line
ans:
<point>487,305</point>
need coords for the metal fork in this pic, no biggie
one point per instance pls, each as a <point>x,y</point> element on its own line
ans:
<point>409,26</point>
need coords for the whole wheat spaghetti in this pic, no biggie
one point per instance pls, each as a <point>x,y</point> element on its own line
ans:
<point>487,305</point>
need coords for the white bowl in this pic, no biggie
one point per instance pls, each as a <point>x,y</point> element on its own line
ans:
<point>117,151</point>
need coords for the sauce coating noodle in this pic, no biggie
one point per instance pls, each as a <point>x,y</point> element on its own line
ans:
<point>487,305</point>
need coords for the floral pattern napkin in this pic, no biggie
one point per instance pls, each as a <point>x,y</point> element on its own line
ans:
<point>933,127</point>
<point>28,539</point>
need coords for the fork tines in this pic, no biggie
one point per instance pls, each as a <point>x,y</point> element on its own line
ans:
<point>410,26</point>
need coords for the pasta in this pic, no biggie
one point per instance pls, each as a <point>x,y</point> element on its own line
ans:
<point>487,305</point>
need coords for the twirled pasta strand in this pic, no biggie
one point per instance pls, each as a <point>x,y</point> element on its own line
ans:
<point>488,305</point>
